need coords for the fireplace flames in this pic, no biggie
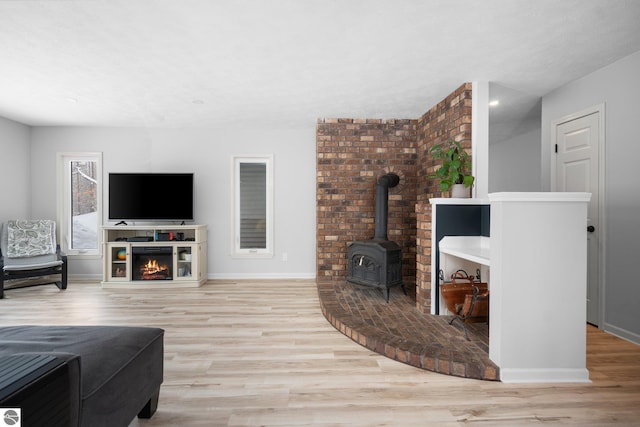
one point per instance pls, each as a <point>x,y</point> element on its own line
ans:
<point>152,270</point>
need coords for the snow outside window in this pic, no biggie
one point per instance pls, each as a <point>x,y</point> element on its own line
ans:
<point>80,202</point>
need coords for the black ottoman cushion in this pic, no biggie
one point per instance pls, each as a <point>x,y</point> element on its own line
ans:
<point>120,367</point>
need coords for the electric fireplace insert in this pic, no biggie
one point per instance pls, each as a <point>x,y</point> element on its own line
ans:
<point>152,262</point>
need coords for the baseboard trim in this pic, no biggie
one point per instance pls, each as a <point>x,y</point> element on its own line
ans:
<point>260,276</point>
<point>84,277</point>
<point>622,333</point>
<point>512,375</point>
<point>215,276</point>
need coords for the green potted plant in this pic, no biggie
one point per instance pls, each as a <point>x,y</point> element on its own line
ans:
<point>454,173</point>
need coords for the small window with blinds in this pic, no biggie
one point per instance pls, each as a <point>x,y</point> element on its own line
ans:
<point>252,216</point>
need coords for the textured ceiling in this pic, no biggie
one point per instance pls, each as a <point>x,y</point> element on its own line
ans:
<point>284,63</point>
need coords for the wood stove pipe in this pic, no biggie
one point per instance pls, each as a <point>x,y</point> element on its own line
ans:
<point>385,182</point>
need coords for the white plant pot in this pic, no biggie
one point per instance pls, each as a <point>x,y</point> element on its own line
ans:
<point>460,191</point>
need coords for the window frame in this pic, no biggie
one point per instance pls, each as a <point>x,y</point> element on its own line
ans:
<point>236,251</point>
<point>64,199</point>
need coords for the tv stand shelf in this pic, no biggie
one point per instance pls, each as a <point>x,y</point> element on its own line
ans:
<point>184,248</point>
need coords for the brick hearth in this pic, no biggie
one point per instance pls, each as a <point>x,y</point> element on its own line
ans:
<point>401,332</point>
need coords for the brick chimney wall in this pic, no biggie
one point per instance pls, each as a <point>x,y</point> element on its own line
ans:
<point>351,155</point>
<point>450,118</point>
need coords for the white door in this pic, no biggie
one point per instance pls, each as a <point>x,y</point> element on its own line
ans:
<point>577,145</point>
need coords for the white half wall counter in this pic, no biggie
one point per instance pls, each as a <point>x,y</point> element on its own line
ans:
<point>538,252</point>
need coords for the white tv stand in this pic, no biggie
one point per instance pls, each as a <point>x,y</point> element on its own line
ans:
<point>187,245</point>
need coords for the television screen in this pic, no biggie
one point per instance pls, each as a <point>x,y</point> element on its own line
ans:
<point>151,196</point>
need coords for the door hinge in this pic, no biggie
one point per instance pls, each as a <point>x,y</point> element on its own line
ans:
<point>556,148</point>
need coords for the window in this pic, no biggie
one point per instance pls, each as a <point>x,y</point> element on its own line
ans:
<point>253,206</point>
<point>80,202</point>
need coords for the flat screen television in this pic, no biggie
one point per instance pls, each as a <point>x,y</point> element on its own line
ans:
<point>151,196</point>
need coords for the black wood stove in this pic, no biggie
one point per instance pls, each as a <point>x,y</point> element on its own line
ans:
<point>378,262</point>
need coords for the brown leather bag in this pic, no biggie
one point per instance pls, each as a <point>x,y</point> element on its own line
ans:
<point>476,307</point>
<point>461,285</point>
<point>474,310</point>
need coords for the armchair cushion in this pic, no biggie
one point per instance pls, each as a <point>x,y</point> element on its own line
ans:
<point>29,238</point>
<point>50,259</point>
<point>31,263</point>
<point>43,259</point>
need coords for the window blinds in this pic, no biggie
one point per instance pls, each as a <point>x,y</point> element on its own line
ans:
<point>253,205</point>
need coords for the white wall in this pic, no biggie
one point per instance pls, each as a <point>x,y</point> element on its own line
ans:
<point>618,88</point>
<point>514,140</point>
<point>514,164</point>
<point>480,138</point>
<point>15,172</point>
<point>207,153</point>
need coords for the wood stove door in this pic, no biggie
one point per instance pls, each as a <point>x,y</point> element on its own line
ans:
<point>364,268</point>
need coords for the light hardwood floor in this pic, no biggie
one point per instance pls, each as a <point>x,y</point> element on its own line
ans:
<point>261,354</point>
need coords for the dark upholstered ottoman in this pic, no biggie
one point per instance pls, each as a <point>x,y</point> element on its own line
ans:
<point>120,367</point>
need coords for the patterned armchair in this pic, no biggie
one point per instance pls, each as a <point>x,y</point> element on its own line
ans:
<point>28,249</point>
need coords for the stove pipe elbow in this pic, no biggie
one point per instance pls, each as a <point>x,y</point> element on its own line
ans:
<point>389,180</point>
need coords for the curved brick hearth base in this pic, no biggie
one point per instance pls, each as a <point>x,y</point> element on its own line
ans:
<point>401,332</point>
